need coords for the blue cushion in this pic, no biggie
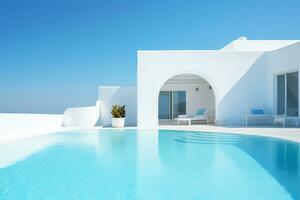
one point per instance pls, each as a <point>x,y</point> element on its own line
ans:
<point>257,112</point>
<point>201,111</point>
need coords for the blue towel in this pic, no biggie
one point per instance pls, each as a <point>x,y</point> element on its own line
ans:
<point>201,111</point>
<point>257,112</point>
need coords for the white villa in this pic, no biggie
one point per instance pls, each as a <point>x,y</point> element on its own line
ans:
<point>243,75</point>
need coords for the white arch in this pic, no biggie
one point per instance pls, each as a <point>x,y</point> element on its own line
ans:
<point>202,76</point>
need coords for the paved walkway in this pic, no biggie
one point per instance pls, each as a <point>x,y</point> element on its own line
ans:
<point>288,133</point>
<point>15,127</point>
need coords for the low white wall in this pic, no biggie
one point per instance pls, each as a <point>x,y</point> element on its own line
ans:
<point>82,116</point>
<point>111,95</point>
<point>20,126</point>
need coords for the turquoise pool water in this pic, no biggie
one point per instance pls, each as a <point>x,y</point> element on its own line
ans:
<point>144,164</point>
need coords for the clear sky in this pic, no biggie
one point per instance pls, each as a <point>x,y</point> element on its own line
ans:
<point>55,53</point>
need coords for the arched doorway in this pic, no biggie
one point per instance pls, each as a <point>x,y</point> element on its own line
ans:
<point>186,96</point>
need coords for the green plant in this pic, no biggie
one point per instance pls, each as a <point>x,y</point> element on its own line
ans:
<point>118,111</point>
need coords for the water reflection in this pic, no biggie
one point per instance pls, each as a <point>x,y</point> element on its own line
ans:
<point>279,157</point>
<point>216,161</point>
<point>139,164</point>
<point>287,156</point>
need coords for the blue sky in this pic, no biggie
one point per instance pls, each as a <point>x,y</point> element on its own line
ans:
<point>55,53</point>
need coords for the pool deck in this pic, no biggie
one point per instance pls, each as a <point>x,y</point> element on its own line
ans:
<point>14,127</point>
<point>288,133</point>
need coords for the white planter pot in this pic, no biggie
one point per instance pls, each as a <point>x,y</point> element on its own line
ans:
<point>118,122</point>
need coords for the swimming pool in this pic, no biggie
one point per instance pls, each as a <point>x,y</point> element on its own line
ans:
<point>150,164</point>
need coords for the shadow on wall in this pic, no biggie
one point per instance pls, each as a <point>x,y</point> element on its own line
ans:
<point>248,92</point>
<point>256,87</point>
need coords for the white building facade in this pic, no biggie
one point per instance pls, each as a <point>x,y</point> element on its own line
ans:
<point>243,75</point>
<point>228,82</point>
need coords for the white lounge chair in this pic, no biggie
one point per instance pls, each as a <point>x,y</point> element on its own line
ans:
<point>282,119</point>
<point>184,119</point>
<point>257,114</point>
<point>200,115</point>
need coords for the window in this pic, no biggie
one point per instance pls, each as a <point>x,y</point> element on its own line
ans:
<point>171,104</point>
<point>281,94</point>
<point>292,94</point>
<point>179,103</point>
<point>165,105</point>
<point>287,94</point>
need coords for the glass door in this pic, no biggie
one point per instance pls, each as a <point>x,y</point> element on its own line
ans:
<point>288,94</point>
<point>171,104</point>
<point>292,94</point>
<point>281,94</point>
<point>165,105</point>
<point>179,103</point>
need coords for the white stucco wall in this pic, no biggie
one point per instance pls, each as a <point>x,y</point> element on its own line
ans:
<point>221,69</point>
<point>15,127</point>
<point>280,61</point>
<point>248,92</point>
<point>258,87</point>
<point>257,45</point>
<point>111,95</point>
<point>241,74</point>
<point>82,116</point>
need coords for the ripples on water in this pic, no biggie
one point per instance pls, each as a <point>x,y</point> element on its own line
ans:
<point>142,164</point>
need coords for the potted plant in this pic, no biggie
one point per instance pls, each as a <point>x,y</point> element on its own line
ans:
<point>118,116</point>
